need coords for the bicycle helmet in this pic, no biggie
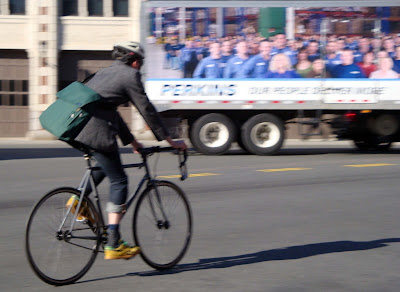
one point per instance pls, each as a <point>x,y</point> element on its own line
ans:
<point>128,51</point>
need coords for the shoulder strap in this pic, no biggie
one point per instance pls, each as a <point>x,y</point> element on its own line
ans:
<point>88,78</point>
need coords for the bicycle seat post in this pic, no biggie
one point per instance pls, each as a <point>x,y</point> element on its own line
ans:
<point>87,156</point>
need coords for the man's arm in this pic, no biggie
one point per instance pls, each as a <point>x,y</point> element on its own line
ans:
<point>199,71</point>
<point>123,131</point>
<point>138,97</point>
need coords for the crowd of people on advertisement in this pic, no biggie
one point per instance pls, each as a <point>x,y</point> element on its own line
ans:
<point>253,56</point>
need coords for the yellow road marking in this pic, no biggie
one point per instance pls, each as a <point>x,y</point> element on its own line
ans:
<point>190,175</point>
<point>283,169</point>
<point>369,165</point>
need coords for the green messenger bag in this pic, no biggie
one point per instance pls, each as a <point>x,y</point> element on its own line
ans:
<point>66,117</point>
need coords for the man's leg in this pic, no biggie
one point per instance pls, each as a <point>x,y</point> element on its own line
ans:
<point>175,63</point>
<point>167,60</point>
<point>112,167</point>
<point>114,218</point>
<point>98,176</point>
<point>114,235</point>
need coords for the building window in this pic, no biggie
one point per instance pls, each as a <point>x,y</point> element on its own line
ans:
<point>69,7</point>
<point>43,27</point>
<point>24,85</point>
<point>120,7</point>
<point>42,10</point>
<point>14,92</point>
<point>25,99</point>
<point>11,99</point>
<point>95,7</point>
<point>17,6</point>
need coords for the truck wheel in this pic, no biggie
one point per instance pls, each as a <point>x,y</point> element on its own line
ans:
<point>383,125</point>
<point>263,134</point>
<point>212,134</point>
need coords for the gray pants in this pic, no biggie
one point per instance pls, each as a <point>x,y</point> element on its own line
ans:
<point>111,166</point>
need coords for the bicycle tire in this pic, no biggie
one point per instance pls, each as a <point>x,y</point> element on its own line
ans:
<point>162,253</point>
<point>56,264</point>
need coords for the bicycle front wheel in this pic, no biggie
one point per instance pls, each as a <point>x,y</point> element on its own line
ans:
<point>162,225</point>
<point>57,253</point>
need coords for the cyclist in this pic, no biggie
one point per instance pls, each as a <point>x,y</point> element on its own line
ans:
<point>118,84</point>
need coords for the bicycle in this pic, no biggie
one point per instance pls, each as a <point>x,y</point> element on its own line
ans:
<point>62,244</point>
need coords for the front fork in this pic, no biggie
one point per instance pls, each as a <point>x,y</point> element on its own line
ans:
<point>163,222</point>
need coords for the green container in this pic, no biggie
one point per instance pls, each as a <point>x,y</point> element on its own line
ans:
<point>67,116</point>
<point>272,21</point>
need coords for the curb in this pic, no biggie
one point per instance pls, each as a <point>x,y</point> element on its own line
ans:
<point>147,140</point>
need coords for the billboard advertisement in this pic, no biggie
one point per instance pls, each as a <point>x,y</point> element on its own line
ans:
<point>273,43</point>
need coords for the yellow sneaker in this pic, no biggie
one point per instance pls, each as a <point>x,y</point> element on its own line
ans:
<point>123,251</point>
<point>84,213</point>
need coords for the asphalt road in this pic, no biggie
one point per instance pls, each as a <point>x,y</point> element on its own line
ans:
<point>315,217</point>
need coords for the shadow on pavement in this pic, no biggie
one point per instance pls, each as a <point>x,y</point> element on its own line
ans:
<point>32,153</point>
<point>37,153</point>
<point>288,253</point>
<point>281,254</point>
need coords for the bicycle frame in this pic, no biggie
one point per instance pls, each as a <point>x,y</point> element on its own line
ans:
<point>88,179</point>
<point>65,224</point>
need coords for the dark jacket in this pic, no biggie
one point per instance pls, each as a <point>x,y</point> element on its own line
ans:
<point>118,84</point>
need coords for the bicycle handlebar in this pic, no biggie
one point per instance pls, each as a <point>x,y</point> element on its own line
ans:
<point>183,156</point>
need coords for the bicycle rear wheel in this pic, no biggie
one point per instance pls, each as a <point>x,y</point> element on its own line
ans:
<point>57,254</point>
<point>162,225</point>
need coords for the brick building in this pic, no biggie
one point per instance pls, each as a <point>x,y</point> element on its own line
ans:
<point>47,44</point>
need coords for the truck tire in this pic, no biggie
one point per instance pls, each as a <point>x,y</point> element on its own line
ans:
<point>263,134</point>
<point>383,125</point>
<point>212,134</point>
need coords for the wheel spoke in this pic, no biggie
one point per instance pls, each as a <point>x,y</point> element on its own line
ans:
<point>56,257</point>
<point>163,247</point>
